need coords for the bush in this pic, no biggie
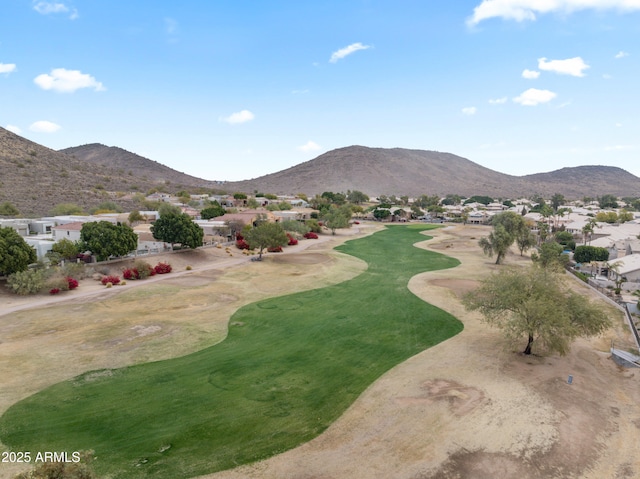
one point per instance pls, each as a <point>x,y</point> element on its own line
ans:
<point>314,226</point>
<point>110,279</point>
<point>275,249</point>
<point>54,291</point>
<point>292,240</point>
<point>143,269</point>
<point>26,282</point>
<point>242,244</point>
<point>72,283</point>
<point>311,235</point>
<point>162,268</point>
<point>130,273</point>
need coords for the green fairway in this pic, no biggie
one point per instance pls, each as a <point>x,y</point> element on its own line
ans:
<point>289,367</point>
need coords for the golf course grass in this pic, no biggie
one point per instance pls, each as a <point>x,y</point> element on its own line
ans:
<point>289,367</point>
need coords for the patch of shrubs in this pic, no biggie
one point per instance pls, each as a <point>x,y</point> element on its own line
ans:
<point>54,291</point>
<point>274,249</point>
<point>292,241</point>
<point>311,235</point>
<point>113,279</point>
<point>162,268</point>
<point>242,244</point>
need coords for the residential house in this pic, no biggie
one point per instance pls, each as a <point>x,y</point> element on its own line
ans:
<point>70,231</point>
<point>628,268</point>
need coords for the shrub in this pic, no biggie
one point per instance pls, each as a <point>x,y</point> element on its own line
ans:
<point>162,268</point>
<point>26,282</point>
<point>110,279</point>
<point>130,273</point>
<point>242,244</point>
<point>239,237</point>
<point>142,268</point>
<point>314,226</point>
<point>188,268</point>
<point>275,249</point>
<point>292,241</point>
<point>311,235</point>
<point>54,291</point>
<point>72,283</point>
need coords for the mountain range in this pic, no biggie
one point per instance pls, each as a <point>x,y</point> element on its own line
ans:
<point>35,178</point>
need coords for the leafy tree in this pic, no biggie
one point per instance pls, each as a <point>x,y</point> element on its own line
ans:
<point>587,254</point>
<point>270,196</point>
<point>424,201</point>
<point>15,253</point>
<point>498,243</point>
<point>294,226</point>
<point>543,231</point>
<point>104,239</point>
<point>7,209</point>
<point>557,200</point>
<point>212,211</point>
<point>607,217</point>
<point>336,218</point>
<point>381,213</point>
<point>177,228</point>
<point>239,196</point>
<point>485,200</point>
<point>356,197</point>
<point>507,228</point>
<point>587,229</point>
<point>525,240</point>
<point>608,201</point>
<point>168,209</point>
<point>550,255</point>
<point>451,200</point>
<point>534,304</point>
<point>63,250</point>
<point>266,235</point>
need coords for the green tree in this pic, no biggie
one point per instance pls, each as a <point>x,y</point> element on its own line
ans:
<point>381,213</point>
<point>356,197</point>
<point>169,209</point>
<point>534,304</point>
<point>266,235</point>
<point>557,200</point>
<point>608,201</point>
<point>212,211</point>
<point>337,218</point>
<point>7,209</point>
<point>15,253</point>
<point>549,255</point>
<point>178,228</point>
<point>104,239</point>
<point>507,227</point>
<point>497,243</point>
<point>239,196</point>
<point>525,240</point>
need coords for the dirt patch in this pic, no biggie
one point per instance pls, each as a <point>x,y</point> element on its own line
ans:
<point>308,258</point>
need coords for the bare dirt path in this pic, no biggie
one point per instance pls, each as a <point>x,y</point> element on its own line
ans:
<point>468,408</point>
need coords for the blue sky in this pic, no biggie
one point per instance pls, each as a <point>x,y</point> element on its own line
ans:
<point>232,89</point>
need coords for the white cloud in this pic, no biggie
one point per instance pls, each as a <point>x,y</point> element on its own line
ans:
<point>498,101</point>
<point>44,126</point>
<point>343,52</point>
<point>7,67</point>
<point>470,110</point>
<point>14,129</point>
<point>309,146</point>
<point>533,97</point>
<point>67,81</point>
<point>239,117</point>
<point>171,26</point>
<point>521,10</point>
<point>571,66</point>
<point>530,74</point>
<point>46,8</point>
<point>621,54</point>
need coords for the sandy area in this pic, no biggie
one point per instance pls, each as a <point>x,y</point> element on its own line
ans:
<point>467,408</point>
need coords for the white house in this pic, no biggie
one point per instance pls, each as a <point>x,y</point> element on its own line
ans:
<point>70,231</point>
